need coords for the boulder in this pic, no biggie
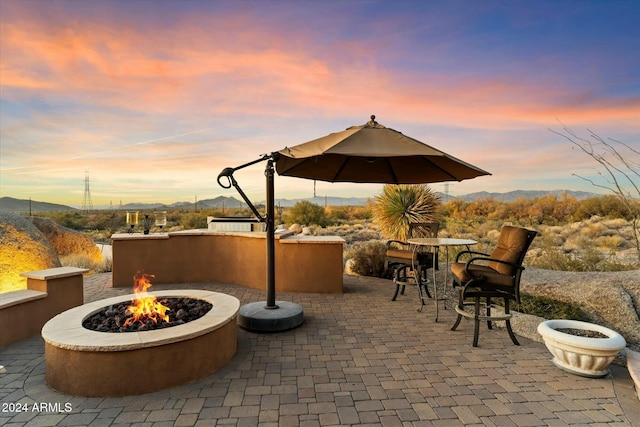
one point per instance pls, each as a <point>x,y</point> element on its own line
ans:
<point>67,242</point>
<point>348,267</point>
<point>610,299</point>
<point>23,248</point>
<point>296,228</point>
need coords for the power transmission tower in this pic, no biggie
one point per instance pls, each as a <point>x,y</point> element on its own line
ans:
<point>87,204</point>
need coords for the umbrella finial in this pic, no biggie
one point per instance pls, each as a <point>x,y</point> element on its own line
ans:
<point>372,123</point>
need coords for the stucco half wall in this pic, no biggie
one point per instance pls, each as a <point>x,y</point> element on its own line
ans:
<point>310,264</point>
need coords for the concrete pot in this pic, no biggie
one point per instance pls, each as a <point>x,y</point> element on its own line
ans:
<point>584,356</point>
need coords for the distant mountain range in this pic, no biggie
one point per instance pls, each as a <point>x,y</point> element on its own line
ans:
<point>9,204</point>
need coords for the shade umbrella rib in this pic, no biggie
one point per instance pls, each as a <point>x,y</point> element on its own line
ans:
<point>394,178</point>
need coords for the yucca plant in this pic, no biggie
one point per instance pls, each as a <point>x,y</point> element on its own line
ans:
<point>400,205</point>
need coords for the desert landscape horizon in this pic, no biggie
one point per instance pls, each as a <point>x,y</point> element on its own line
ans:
<point>8,203</point>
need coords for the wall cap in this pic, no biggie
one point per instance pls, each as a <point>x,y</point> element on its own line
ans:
<point>54,273</point>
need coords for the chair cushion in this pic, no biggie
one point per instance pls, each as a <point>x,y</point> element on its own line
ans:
<point>491,276</point>
<point>402,254</point>
<point>425,259</point>
<point>511,244</point>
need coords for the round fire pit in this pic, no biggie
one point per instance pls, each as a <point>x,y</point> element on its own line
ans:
<point>88,363</point>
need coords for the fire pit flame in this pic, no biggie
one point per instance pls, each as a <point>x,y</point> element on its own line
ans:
<point>145,307</point>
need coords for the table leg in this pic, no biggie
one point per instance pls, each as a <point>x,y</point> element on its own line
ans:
<point>435,280</point>
<point>416,278</point>
<point>446,279</point>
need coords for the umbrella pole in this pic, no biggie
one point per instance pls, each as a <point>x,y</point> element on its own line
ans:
<point>271,237</point>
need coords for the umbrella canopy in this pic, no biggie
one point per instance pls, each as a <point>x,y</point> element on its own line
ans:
<point>372,153</point>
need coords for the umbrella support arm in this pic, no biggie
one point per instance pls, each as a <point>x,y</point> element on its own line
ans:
<point>231,181</point>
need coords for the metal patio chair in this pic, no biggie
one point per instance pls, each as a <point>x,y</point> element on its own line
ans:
<point>484,277</point>
<point>401,258</point>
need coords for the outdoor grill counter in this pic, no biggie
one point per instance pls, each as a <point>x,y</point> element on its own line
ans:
<point>311,264</point>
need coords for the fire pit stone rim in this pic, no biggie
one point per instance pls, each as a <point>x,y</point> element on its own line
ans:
<point>66,331</point>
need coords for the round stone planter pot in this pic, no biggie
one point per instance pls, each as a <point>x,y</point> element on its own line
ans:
<point>584,356</point>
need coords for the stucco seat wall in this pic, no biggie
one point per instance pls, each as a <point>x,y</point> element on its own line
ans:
<point>310,264</point>
<point>49,292</point>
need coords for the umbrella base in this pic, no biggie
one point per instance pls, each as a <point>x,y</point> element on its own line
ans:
<point>254,317</point>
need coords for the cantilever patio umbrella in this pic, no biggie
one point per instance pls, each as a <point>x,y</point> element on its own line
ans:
<point>371,153</point>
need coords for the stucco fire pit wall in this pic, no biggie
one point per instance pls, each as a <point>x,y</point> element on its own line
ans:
<point>83,362</point>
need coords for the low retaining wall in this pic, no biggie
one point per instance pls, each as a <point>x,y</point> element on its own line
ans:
<point>49,293</point>
<point>302,263</point>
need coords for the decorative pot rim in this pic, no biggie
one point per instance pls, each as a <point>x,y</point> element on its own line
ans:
<point>614,341</point>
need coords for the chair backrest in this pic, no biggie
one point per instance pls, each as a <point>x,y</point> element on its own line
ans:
<point>512,247</point>
<point>423,229</point>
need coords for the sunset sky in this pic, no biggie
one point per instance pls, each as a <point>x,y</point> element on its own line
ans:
<point>155,98</point>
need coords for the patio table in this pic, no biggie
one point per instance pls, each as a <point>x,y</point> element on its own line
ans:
<point>436,242</point>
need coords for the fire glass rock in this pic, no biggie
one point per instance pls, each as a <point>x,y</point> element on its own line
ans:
<point>113,317</point>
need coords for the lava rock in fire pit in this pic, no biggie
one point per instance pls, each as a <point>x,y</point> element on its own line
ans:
<point>113,318</point>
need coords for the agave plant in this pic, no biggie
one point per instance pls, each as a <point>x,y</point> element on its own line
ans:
<point>400,205</point>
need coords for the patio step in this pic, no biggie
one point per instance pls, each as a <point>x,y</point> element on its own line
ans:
<point>633,364</point>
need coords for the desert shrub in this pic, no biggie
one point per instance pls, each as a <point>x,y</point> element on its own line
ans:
<point>593,230</point>
<point>337,214</point>
<point>589,258</point>
<point>361,212</point>
<point>107,265</point>
<point>592,259</point>
<point>400,205</point>
<point>368,258</point>
<point>82,261</point>
<point>361,236</point>
<point>484,207</point>
<point>74,220</point>
<point>607,206</point>
<point>552,257</point>
<point>307,213</point>
<point>193,220</point>
<point>611,242</point>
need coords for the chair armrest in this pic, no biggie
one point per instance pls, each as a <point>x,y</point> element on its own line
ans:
<point>460,254</point>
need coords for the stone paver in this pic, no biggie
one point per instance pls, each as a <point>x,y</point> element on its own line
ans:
<point>358,359</point>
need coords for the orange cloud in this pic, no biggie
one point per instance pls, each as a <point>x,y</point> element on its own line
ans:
<point>166,73</point>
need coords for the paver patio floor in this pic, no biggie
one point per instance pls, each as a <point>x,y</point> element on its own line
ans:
<point>358,359</point>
